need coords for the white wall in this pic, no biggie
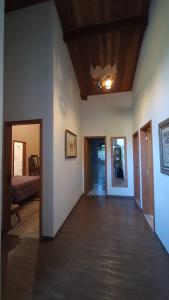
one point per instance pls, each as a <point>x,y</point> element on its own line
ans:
<point>151,102</point>
<point>110,116</point>
<point>30,134</point>
<point>28,83</point>
<point>40,83</point>
<point>67,175</point>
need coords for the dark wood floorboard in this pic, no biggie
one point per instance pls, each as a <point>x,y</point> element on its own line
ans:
<point>105,250</point>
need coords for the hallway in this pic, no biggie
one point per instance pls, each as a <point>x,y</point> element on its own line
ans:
<point>105,250</point>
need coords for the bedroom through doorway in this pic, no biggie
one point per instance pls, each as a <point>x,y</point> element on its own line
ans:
<point>22,189</point>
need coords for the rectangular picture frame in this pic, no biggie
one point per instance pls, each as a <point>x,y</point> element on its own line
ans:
<point>70,144</point>
<point>164,146</point>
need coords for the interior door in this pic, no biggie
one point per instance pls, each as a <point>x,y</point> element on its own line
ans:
<point>147,170</point>
<point>150,172</point>
<point>7,170</point>
<point>88,166</point>
<point>136,168</point>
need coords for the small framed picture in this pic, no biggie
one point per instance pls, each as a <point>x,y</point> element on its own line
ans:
<point>164,146</point>
<point>70,144</point>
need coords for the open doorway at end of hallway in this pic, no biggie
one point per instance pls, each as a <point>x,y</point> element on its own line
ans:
<point>147,173</point>
<point>95,174</point>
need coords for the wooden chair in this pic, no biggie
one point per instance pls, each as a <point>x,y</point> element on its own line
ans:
<point>34,165</point>
<point>15,211</point>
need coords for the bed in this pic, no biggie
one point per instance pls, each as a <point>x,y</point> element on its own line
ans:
<point>24,187</point>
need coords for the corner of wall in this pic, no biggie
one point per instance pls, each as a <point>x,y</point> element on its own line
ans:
<point>67,181</point>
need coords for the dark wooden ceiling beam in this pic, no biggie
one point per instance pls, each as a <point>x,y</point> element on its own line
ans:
<point>137,21</point>
<point>11,5</point>
<point>83,96</point>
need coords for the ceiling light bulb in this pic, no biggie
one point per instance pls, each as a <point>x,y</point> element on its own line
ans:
<point>108,84</point>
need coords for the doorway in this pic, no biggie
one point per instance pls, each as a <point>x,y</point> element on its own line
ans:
<point>95,162</point>
<point>22,179</point>
<point>147,173</point>
<point>136,168</point>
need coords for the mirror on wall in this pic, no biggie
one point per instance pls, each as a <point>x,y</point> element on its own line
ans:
<point>119,161</point>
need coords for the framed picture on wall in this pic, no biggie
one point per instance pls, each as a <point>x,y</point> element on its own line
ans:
<point>164,146</point>
<point>70,144</point>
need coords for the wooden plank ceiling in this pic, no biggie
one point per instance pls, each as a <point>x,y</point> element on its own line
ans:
<point>100,32</point>
<point>11,5</point>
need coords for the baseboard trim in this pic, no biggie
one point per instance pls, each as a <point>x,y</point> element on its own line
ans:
<point>48,239</point>
<point>138,205</point>
<point>111,196</point>
<point>74,207</point>
<point>157,236</point>
<point>120,197</point>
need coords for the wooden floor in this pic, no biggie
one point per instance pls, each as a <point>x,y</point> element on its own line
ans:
<point>105,251</point>
<point>29,225</point>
